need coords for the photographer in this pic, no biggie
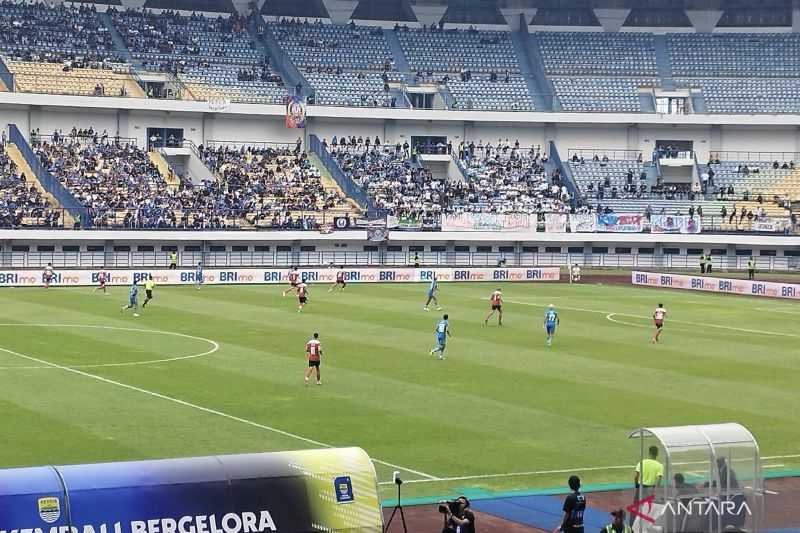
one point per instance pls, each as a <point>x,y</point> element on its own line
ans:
<point>458,517</point>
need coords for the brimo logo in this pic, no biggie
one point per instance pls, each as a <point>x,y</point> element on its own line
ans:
<point>694,507</point>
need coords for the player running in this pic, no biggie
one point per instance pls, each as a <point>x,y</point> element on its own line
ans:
<point>133,299</point>
<point>314,353</point>
<point>302,296</point>
<point>496,301</point>
<point>658,320</point>
<point>198,276</point>
<point>575,274</point>
<point>433,288</point>
<point>149,284</point>
<point>48,275</point>
<point>551,320</point>
<point>340,282</point>
<point>442,332</point>
<point>294,279</point>
<point>101,283</point>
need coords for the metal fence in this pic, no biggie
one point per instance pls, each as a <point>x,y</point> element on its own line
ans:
<point>188,259</point>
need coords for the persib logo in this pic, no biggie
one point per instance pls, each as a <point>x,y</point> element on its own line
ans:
<point>49,509</point>
<point>343,487</point>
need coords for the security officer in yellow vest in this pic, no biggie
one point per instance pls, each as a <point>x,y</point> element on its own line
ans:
<point>703,263</point>
<point>173,260</point>
<point>709,264</point>
<point>751,268</point>
<point>618,524</point>
<point>647,476</point>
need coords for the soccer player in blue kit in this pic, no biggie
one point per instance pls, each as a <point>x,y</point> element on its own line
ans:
<point>550,322</point>
<point>133,302</point>
<point>198,276</point>
<point>442,332</point>
<point>433,288</point>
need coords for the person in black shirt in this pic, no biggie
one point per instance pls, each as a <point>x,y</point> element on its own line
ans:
<point>463,520</point>
<point>574,507</point>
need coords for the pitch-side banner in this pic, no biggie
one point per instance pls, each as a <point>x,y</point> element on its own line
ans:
<point>489,222</point>
<point>615,223</point>
<point>721,285</point>
<point>249,276</point>
<point>331,490</point>
<point>675,224</point>
<point>555,223</point>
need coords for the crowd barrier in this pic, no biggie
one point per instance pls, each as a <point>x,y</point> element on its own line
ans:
<point>721,285</point>
<point>332,490</point>
<point>250,276</point>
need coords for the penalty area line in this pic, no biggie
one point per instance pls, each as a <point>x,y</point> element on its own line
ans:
<point>206,410</point>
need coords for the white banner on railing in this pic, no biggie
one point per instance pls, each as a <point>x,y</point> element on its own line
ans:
<point>248,276</point>
<point>675,224</point>
<point>489,222</point>
<point>773,225</point>
<point>582,222</point>
<point>720,285</point>
<point>555,223</point>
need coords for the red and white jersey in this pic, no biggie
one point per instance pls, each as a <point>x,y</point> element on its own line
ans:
<point>293,276</point>
<point>496,298</point>
<point>101,277</point>
<point>340,276</point>
<point>301,290</point>
<point>659,313</point>
<point>313,349</point>
<point>48,271</point>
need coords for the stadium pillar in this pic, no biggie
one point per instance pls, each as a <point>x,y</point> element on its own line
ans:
<point>587,254</point>
<point>108,254</point>
<point>796,16</point>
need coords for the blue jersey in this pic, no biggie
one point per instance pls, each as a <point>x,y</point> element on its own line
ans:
<point>441,327</point>
<point>133,292</point>
<point>550,318</point>
<point>433,286</point>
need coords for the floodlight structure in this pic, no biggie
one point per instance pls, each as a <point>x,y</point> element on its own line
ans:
<point>712,480</point>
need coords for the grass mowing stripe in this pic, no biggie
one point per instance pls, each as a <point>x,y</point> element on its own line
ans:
<point>201,408</point>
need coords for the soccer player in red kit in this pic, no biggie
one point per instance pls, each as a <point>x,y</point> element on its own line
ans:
<point>340,282</point>
<point>314,353</point>
<point>101,283</point>
<point>294,278</point>
<point>302,296</point>
<point>496,301</point>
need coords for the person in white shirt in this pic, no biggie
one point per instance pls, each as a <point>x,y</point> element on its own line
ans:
<point>575,274</point>
<point>658,320</point>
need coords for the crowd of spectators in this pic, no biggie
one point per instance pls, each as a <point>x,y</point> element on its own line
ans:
<point>21,203</point>
<point>497,179</point>
<point>55,33</point>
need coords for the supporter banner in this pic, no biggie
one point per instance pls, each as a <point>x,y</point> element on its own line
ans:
<point>489,222</point>
<point>403,222</point>
<point>675,224</point>
<point>341,222</point>
<point>249,276</point>
<point>721,285</point>
<point>331,490</point>
<point>377,234</point>
<point>583,222</point>
<point>773,225</point>
<point>615,223</point>
<point>295,112</point>
<point>555,223</point>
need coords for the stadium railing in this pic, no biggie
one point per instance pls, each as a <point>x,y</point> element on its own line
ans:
<point>236,145</point>
<point>64,198</point>
<point>6,76</point>
<point>285,259</point>
<point>348,186</point>
<point>781,157</point>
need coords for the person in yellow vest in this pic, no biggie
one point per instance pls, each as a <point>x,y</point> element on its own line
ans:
<point>751,268</point>
<point>173,260</point>
<point>647,475</point>
<point>702,263</point>
<point>617,524</point>
<point>709,264</point>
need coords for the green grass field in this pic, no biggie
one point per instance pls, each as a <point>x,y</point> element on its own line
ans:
<point>220,371</point>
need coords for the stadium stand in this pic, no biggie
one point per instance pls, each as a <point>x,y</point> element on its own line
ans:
<point>747,94</point>
<point>600,94</point>
<point>481,93</point>
<point>453,50</point>
<point>598,54</point>
<point>22,204</point>
<point>55,78</point>
<point>214,57</point>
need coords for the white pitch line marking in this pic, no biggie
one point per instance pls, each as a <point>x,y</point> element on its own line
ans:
<point>566,471</point>
<point>719,326</point>
<point>784,311</point>
<point>204,409</point>
<point>214,345</point>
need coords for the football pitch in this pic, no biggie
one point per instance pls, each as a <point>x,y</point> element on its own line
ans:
<point>219,370</point>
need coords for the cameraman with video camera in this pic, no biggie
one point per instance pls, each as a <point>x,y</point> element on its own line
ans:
<point>458,517</point>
